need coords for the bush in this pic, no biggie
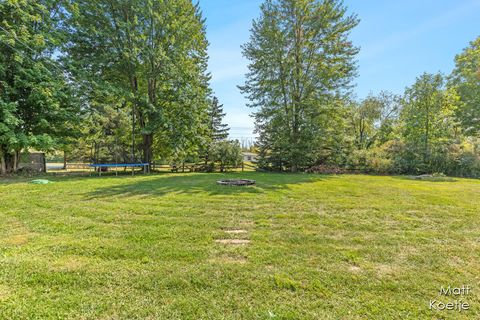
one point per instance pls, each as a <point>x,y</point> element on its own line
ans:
<point>376,160</point>
<point>326,169</point>
<point>228,153</point>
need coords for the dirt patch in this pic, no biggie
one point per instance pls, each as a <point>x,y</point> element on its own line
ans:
<point>355,269</point>
<point>385,270</point>
<point>233,241</point>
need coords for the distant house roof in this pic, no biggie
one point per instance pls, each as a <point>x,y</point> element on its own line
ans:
<point>249,154</point>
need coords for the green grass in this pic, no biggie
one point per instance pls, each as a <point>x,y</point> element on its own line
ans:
<point>321,247</point>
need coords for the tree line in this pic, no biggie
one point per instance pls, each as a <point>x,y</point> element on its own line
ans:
<point>301,71</point>
<point>105,80</point>
<point>123,81</point>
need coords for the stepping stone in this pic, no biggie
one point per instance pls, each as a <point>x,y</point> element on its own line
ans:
<point>233,241</point>
<point>233,231</point>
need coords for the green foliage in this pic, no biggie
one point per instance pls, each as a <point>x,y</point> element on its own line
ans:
<point>138,69</point>
<point>421,133</point>
<point>217,129</point>
<point>301,62</point>
<point>372,160</point>
<point>304,117</point>
<point>38,108</point>
<point>373,119</point>
<point>466,80</point>
<point>428,122</point>
<point>228,153</point>
<point>152,57</point>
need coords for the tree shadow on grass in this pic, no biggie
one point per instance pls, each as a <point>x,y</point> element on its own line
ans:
<point>163,184</point>
<point>426,179</point>
<point>53,177</point>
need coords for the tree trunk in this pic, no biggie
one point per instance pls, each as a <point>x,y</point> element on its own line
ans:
<point>16,159</point>
<point>297,91</point>
<point>294,168</point>
<point>64,160</point>
<point>3,169</point>
<point>8,158</point>
<point>426,155</point>
<point>9,161</point>
<point>147,148</point>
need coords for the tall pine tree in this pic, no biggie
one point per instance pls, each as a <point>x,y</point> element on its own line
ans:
<point>218,130</point>
<point>301,63</point>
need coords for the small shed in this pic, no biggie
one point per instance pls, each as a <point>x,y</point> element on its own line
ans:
<point>249,157</point>
<point>33,161</point>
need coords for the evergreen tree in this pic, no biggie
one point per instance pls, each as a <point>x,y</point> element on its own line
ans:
<point>301,64</point>
<point>218,129</point>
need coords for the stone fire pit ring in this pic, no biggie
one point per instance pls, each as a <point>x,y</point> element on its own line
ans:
<point>236,182</point>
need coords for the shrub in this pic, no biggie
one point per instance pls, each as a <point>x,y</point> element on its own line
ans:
<point>227,153</point>
<point>326,169</point>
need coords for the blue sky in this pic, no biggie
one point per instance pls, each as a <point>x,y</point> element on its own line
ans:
<point>399,40</point>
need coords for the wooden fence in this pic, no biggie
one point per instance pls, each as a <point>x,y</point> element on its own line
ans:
<point>183,167</point>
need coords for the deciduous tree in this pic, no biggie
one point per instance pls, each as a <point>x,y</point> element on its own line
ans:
<point>428,121</point>
<point>152,54</point>
<point>466,80</point>
<point>37,107</point>
<point>301,63</point>
<point>373,119</point>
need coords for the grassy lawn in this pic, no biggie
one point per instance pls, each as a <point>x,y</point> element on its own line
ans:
<point>320,247</point>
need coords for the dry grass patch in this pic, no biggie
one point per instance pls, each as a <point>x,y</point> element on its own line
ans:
<point>386,270</point>
<point>18,239</point>
<point>4,292</point>
<point>355,269</point>
<point>70,264</point>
